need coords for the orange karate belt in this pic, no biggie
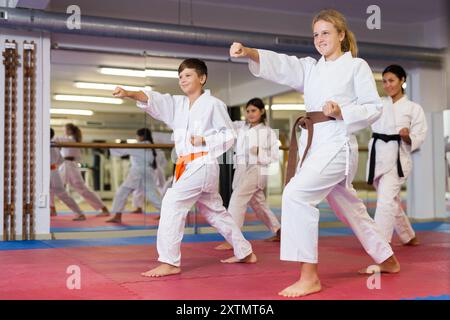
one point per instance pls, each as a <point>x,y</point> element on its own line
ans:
<point>184,160</point>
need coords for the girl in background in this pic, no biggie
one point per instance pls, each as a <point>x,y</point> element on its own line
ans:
<point>255,149</point>
<point>400,130</point>
<point>70,172</point>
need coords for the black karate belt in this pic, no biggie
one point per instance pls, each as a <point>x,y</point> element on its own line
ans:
<point>386,138</point>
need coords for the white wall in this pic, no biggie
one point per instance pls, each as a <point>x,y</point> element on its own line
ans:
<point>426,185</point>
<point>42,219</point>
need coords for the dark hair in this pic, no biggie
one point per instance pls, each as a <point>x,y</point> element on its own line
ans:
<point>76,132</point>
<point>197,64</point>
<point>52,133</point>
<point>147,136</point>
<point>257,102</point>
<point>397,70</point>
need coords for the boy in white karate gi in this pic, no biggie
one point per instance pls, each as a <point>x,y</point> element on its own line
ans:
<point>340,98</point>
<point>202,131</point>
<point>401,130</point>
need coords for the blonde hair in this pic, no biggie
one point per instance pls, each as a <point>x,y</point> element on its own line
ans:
<point>340,23</point>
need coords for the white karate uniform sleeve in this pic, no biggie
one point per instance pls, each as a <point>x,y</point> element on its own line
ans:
<point>281,68</point>
<point>159,106</point>
<point>238,125</point>
<point>161,159</point>
<point>223,136</point>
<point>55,155</point>
<point>418,129</point>
<point>268,148</point>
<point>368,106</point>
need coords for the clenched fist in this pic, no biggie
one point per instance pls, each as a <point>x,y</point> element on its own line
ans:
<point>254,150</point>
<point>404,134</point>
<point>332,109</point>
<point>237,50</point>
<point>120,92</point>
<point>197,141</point>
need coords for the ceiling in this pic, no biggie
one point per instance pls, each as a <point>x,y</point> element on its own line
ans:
<point>398,11</point>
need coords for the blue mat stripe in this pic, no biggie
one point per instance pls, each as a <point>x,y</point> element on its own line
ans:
<point>442,297</point>
<point>253,235</point>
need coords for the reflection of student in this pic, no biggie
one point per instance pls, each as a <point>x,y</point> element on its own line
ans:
<point>141,175</point>
<point>70,173</point>
<point>57,186</point>
<point>400,131</point>
<point>256,148</point>
<point>202,132</point>
<point>161,183</point>
<point>340,98</point>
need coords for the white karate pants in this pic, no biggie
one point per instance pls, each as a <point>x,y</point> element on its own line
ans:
<point>389,214</point>
<point>122,194</point>
<point>57,189</point>
<point>201,187</point>
<point>71,175</point>
<point>247,192</point>
<point>300,217</point>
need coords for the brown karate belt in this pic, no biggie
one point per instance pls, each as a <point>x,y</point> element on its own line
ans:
<point>307,122</point>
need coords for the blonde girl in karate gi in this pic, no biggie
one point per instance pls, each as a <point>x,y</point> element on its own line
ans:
<point>202,131</point>
<point>57,186</point>
<point>340,98</point>
<point>255,149</point>
<point>401,130</point>
<point>141,175</point>
<point>70,172</point>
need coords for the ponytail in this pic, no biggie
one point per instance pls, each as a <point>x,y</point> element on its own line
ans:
<point>349,43</point>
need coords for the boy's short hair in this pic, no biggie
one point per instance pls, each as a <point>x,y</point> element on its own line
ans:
<point>197,64</point>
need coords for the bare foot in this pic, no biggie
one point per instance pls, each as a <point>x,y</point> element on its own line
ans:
<point>53,212</point>
<point>224,246</point>
<point>162,270</point>
<point>115,219</point>
<point>251,258</point>
<point>301,288</point>
<point>413,242</point>
<point>390,265</point>
<point>137,210</point>
<point>275,238</point>
<point>80,217</point>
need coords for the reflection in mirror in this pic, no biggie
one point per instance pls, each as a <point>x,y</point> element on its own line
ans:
<point>82,95</point>
<point>90,177</point>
